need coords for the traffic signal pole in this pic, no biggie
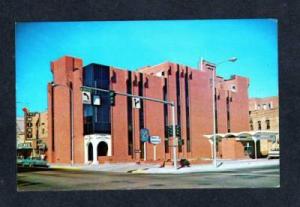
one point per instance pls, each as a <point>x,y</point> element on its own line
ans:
<point>172,104</point>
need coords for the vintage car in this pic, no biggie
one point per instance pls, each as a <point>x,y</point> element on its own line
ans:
<point>32,162</point>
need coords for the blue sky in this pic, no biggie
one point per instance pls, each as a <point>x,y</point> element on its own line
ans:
<point>134,44</point>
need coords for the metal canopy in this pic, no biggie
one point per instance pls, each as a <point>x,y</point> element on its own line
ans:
<point>247,135</point>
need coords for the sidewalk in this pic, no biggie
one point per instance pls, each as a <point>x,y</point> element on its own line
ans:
<point>223,165</point>
<point>106,167</point>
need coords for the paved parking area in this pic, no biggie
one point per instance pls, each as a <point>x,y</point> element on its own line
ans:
<point>58,179</point>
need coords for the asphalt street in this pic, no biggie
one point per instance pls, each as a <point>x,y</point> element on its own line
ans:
<point>52,180</point>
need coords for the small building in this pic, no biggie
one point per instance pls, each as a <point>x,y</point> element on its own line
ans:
<point>32,141</point>
<point>264,116</point>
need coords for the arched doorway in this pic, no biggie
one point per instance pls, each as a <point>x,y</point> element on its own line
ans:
<point>102,149</point>
<point>90,152</point>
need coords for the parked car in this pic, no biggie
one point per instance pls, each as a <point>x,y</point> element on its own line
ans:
<point>32,162</point>
<point>273,154</point>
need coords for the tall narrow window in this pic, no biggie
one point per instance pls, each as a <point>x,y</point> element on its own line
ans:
<point>129,115</point>
<point>270,106</point>
<point>251,125</point>
<point>187,109</point>
<point>141,111</point>
<point>216,110</point>
<point>228,112</point>
<point>178,103</point>
<point>165,94</point>
<point>259,125</point>
<point>268,124</point>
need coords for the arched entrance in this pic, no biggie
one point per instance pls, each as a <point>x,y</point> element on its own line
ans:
<point>96,145</point>
<point>90,152</point>
<point>102,149</point>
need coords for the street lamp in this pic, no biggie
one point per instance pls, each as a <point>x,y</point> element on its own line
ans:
<point>232,59</point>
<point>72,117</point>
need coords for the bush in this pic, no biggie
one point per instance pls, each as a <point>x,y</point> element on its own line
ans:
<point>184,162</point>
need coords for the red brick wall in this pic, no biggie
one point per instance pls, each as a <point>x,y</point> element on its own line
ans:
<point>153,115</point>
<point>65,70</point>
<point>232,149</point>
<point>239,114</point>
<point>119,121</point>
<point>135,119</point>
<point>201,113</point>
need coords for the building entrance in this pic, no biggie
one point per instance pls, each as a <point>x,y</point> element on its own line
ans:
<point>96,145</point>
<point>90,152</point>
<point>102,149</point>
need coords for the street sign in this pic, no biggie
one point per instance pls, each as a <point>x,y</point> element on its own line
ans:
<point>136,103</point>
<point>86,97</point>
<point>155,139</point>
<point>144,135</point>
<point>96,100</point>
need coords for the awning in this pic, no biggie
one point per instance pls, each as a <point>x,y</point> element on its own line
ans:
<point>247,135</point>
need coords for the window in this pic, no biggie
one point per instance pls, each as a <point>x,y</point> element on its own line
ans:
<point>141,110</point>
<point>97,117</point>
<point>259,125</point>
<point>178,102</point>
<point>258,107</point>
<point>233,88</point>
<point>165,94</point>
<point>129,115</point>
<point>265,106</point>
<point>268,124</point>
<point>228,112</point>
<point>251,125</point>
<point>270,106</point>
<point>43,131</point>
<point>187,109</point>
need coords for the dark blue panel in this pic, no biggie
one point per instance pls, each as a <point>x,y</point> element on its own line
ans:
<point>97,118</point>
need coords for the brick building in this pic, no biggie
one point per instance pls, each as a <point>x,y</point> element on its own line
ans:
<point>33,134</point>
<point>112,133</point>
<point>264,113</point>
<point>264,116</point>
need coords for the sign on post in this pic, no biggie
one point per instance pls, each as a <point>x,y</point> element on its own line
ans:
<point>155,140</point>
<point>144,135</point>
<point>145,139</point>
<point>136,103</point>
<point>86,97</point>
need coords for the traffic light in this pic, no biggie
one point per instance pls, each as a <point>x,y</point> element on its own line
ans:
<point>169,131</point>
<point>112,95</point>
<point>178,131</point>
<point>181,142</point>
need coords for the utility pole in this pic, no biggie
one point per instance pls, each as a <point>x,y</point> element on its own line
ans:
<point>232,59</point>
